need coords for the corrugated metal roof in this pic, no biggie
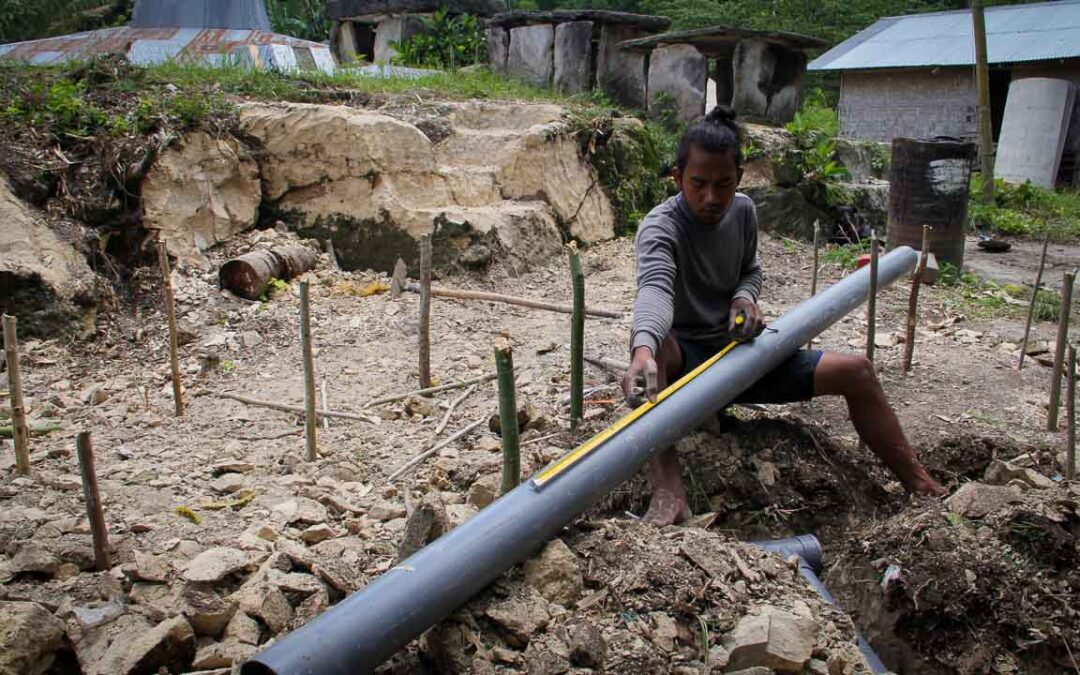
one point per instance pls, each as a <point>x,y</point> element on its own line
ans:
<point>241,14</point>
<point>1014,33</point>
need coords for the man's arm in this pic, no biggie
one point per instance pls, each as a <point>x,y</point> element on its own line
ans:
<point>654,306</point>
<point>751,279</point>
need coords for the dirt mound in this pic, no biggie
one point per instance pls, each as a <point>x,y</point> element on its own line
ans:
<point>677,600</point>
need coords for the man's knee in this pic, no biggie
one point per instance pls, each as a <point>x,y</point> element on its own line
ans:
<point>861,374</point>
<point>846,374</point>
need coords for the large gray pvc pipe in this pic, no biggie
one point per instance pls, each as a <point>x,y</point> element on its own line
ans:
<point>367,628</point>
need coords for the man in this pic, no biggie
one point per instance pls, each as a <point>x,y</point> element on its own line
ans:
<point>698,286</point>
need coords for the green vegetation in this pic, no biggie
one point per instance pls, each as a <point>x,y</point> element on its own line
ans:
<point>814,156</point>
<point>1025,210</point>
<point>447,42</point>
<point>299,18</point>
<point>976,297</point>
<point>846,255</point>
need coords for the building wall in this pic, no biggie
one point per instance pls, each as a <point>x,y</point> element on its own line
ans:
<point>881,105</point>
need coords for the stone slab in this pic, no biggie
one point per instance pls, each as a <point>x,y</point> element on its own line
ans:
<point>1034,129</point>
<point>677,77</point>
<point>363,9</point>
<point>391,30</point>
<point>498,40</point>
<point>531,54</point>
<point>645,22</point>
<point>621,73</point>
<point>573,57</point>
<point>754,65</point>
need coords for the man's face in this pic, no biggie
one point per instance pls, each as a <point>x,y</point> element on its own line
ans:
<point>708,183</point>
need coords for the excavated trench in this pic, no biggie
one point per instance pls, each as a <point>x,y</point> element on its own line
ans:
<point>901,569</point>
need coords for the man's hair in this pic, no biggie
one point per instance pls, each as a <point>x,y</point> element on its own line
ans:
<point>716,132</point>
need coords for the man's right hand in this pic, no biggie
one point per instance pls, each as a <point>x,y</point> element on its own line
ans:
<point>640,378</point>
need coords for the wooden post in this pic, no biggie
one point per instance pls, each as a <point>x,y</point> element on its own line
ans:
<point>508,422</point>
<point>913,299</point>
<point>1059,351</point>
<point>174,341</point>
<point>325,404</point>
<point>1070,422</point>
<point>309,372</point>
<point>814,274</point>
<point>94,512</point>
<point>1034,297</point>
<point>20,430</point>
<point>577,343</point>
<point>425,311</point>
<point>871,311</point>
<point>982,80</point>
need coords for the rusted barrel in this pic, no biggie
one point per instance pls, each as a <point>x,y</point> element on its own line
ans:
<point>928,185</point>
<point>249,275</point>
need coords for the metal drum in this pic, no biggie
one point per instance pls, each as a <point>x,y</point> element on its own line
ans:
<point>928,185</point>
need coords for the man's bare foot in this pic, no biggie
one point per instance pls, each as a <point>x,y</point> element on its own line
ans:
<point>666,508</point>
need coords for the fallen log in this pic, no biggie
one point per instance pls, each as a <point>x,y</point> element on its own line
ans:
<point>249,275</point>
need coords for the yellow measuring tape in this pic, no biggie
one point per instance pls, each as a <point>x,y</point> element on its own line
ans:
<point>572,458</point>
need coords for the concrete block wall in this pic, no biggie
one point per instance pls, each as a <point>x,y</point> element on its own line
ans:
<point>882,105</point>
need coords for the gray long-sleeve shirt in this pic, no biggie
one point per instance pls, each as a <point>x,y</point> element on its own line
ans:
<point>688,273</point>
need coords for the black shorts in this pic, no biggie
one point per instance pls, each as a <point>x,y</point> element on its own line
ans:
<point>791,381</point>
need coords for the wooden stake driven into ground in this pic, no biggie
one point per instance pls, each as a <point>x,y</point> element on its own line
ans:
<point>1059,350</point>
<point>913,299</point>
<point>400,283</point>
<point>425,311</point>
<point>94,512</point>
<point>508,422</point>
<point>577,343</point>
<point>21,431</point>
<point>1034,297</point>
<point>871,311</point>
<point>309,372</point>
<point>1070,398</point>
<point>813,277</point>
<point>174,340</point>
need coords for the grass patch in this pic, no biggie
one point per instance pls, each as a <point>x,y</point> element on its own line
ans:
<point>976,297</point>
<point>1026,210</point>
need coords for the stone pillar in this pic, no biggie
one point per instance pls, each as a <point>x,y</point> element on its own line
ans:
<point>621,72</point>
<point>498,39</point>
<point>531,54</point>
<point>783,105</point>
<point>678,75</point>
<point>343,41</point>
<point>391,30</point>
<point>1034,130</point>
<point>753,69</point>
<point>573,57</point>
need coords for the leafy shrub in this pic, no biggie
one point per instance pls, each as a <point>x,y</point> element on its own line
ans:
<point>1025,209</point>
<point>299,18</point>
<point>447,42</point>
<point>846,255</point>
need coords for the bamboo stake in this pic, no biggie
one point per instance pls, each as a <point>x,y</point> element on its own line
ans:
<point>609,365</point>
<point>174,340</point>
<point>36,430</point>
<point>435,448</point>
<point>913,299</point>
<point>285,407</point>
<point>20,430</point>
<point>425,311</point>
<point>1034,297</point>
<point>450,411</point>
<point>1059,350</point>
<point>309,372</point>
<point>94,513</point>
<point>577,343</point>
<point>871,313</point>
<point>813,277</point>
<point>325,401</point>
<point>1070,398</point>
<point>431,390</point>
<point>329,244</point>
<point>504,365</point>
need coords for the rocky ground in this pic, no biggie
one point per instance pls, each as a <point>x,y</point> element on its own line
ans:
<point>223,536</point>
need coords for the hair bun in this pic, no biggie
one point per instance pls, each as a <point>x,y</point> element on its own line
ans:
<point>722,115</point>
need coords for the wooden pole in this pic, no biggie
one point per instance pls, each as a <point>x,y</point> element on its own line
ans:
<point>871,312</point>
<point>174,340</point>
<point>21,431</point>
<point>814,274</point>
<point>425,311</point>
<point>982,78</point>
<point>504,365</point>
<point>325,402</point>
<point>913,299</point>
<point>309,372</point>
<point>577,343</point>
<point>1070,398</point>
<point>1034,297</point>
<point>1059,351</point>
<point>94,513</point>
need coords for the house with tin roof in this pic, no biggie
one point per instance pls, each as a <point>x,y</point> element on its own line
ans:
<point>914,76</point>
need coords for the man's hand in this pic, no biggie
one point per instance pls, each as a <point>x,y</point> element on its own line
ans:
<point>641,377</point>
<point>753,320</point>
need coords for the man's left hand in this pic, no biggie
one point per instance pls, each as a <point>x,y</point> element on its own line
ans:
<point>753,319</point>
